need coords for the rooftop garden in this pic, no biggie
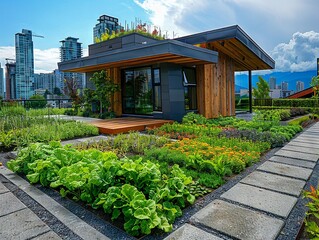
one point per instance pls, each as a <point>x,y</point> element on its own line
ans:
<point>144,182</point>
<point>143,29</point>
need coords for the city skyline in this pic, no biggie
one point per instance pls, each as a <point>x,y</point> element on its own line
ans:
<point>296,26</point>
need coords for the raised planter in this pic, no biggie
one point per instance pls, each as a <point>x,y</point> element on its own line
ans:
<point>126,41</point>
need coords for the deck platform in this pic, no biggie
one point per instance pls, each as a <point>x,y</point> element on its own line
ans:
<point>123,125</point>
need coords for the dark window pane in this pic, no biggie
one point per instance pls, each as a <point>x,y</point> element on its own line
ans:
<point>189,76</point>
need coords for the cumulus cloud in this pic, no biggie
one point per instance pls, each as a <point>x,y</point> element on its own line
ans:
<point>299,54</point>
<point>187,16</point>
<point>45,61</point>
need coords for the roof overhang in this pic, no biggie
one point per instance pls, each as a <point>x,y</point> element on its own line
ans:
<point>145,54</point>
<point>306,93</point>
<point>235,43</point>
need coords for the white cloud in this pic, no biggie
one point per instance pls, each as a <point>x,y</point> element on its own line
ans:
<point>45,61</point>
<point>299,54</point>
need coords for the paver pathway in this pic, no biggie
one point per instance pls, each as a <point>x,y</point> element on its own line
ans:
<point>258,206</point>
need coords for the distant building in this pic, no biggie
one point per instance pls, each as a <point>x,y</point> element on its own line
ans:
<point>106,24</point>
<point>11,80</point>
<point>71,49</point>
<point>275,93</point>
<point>284,86</point>
<point>24,65</point>
<point>48,81</point>
<point>300,86</point>
<point>272,83</point>
<point>286,93</point>
<point>317,66</point>
<point>1,83</point>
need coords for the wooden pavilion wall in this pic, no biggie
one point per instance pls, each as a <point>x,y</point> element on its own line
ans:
<point>216,88</point>
<point>115,74</point>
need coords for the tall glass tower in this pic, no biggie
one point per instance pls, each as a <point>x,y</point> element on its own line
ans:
<point>71,49</point>
<point>24,65</point>
<point>106,24</point>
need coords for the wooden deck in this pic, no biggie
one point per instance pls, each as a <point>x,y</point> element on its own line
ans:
<point>123,125</point>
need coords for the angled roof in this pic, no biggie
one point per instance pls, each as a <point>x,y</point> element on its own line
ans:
<point>234,42</point>
<point>306,93</point>
<point>156,52</point>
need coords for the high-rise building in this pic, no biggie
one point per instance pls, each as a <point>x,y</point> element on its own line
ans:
<point>48,81</point>
<point>11,80</point>
<point>24,64</point>
<point>106,24</point>
<point>284,86</point>
<point>272,83</point>
<point>1,83</point>
<point>300,85</point>
<point>69,50</point>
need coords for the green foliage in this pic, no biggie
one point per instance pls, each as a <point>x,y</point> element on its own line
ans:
<point>262,90</point>
<point>312,216</point>
<point>177,131</point>
<point>135,190</point>
<point>126,144</point>
<point>17,131</point>
<point>104,89</point>
<point>191,118</point>
<point>315,85</point>
<point>140,29</point>
<point>37,101</point>
<point>305,103</point>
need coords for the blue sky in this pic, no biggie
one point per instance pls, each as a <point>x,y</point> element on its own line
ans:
<point>286,29</point>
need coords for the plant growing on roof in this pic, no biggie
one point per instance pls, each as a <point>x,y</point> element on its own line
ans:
<point>262,90</point>
<point>104,89</point>
<point>315,85</point>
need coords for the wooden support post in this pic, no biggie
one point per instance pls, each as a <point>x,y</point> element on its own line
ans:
<point>250,92</point>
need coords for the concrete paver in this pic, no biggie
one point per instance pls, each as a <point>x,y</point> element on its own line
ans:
<point>286,170</point>
<point>48,236</point>
<point>189,232</point>
<point>275,182</point>
<point>3,189</point>
<point>22,224</point>
<point>237,221</point>
<point>265,200</point>
<point>294,162</point>
<point>302,156</point>
<point>303,144</point>
<point>10,204</point>
<point>301,149</point>
<point>304,140</point>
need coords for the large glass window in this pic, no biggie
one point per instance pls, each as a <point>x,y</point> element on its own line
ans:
<point>190,88</point>
<point>141,91</point>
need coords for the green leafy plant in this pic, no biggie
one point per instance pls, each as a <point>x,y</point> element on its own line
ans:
<point>312,219</point>
<point>104,89</point>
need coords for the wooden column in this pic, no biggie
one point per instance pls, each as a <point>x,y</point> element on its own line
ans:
<point>216,88</point>
<point>115,74</point>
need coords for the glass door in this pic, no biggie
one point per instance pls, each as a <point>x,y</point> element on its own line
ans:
<point>137,91</point>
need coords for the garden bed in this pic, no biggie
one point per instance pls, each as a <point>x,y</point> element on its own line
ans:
<point>146,181</point>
